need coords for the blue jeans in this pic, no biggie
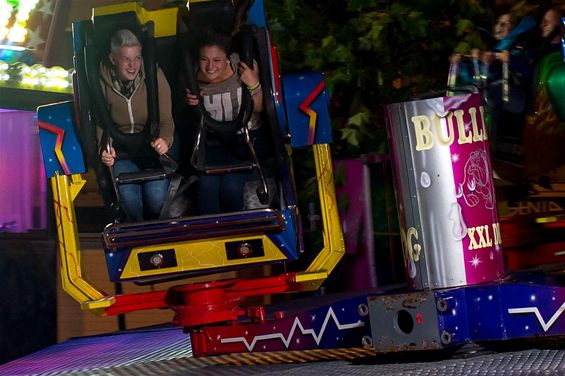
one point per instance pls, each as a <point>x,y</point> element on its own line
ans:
<point>140,200</point>
<point>221,193</point>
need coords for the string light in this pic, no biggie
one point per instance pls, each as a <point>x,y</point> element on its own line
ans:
<point>14,15</point>
<point>17,32</point>
<point>4,75</point>
<point>35,77</point>
<point>5,14</point>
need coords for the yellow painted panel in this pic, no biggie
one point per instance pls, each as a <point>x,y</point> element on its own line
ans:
<point>334,244</point>
<point>165,19</point>
<point>202,254</point>
<point>65,188</point>
<point>307,277</point>
<point>115,8</point>
<point>99,303</point>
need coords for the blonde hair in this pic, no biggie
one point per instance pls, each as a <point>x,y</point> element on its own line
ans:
<point>123,38</point>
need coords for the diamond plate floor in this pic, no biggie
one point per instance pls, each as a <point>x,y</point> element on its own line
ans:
<point>168,352</point>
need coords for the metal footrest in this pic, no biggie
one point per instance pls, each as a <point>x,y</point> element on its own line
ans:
<point>224,169</point>
<point>190,228</point>
<point>141,176</point>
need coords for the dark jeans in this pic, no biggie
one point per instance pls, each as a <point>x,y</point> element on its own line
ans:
<point>140,200</point>
<point>224,192</point>
<point>221,193</point>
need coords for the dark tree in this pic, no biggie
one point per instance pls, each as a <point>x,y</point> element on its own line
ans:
<point>374,52</point>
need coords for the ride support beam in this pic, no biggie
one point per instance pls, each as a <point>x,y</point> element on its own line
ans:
<point>65,190</point>
<point>334,245</point>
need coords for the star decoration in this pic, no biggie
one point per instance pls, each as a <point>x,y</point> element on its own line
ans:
<point>475,261</point>
<point>467,127</point>
<point>455,158</point>
<point>34,39</point>
<point>46,7</point>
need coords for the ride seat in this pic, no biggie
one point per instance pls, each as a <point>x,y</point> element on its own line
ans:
<point>97,46</point>
<point>212,133</point>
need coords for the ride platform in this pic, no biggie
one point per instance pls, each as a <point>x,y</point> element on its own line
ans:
<point>168,351</point>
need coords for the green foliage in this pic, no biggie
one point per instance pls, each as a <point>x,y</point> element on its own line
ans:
<point>373,52</point>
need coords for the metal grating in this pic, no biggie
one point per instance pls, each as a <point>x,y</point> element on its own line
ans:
<point>232,364</point>
<point>93,353</point>
<point>168,352</point>
<point>530,362</point>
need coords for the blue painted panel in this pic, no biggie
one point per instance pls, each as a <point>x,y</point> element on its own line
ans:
<point>501,311</point>
<point>116,261</point>
<point>307,106</point>
<point>533,310</point>
<point>256,14</point>
<point>278,91</point>
<point>60,147</point>
<point>455,317</point>
<point>78,31</point>
<point>483,307</point>
<point>286,241</point>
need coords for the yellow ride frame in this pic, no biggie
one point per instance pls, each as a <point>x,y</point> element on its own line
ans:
<point>66,189</point>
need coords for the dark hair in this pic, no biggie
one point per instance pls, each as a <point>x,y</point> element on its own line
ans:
<point>212,36</point>
<point>506,9</point>
<point>545,6</point>
<point>241,7</point>
<point>558,9</point>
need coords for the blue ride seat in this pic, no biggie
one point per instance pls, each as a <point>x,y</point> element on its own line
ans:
<point>211,133</point>
<point>95,37</point>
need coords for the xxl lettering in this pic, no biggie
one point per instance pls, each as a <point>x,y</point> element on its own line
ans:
<point>496,232</point>
<point>480,236</point>
<point>484,241</point>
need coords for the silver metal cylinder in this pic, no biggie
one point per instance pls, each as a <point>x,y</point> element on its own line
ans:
<point>445,192</point>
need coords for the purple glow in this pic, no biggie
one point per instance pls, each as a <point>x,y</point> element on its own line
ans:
<point>22,179</point>
<point>91,353</point>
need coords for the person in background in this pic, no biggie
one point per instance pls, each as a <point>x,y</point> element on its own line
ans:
<point>508,73</point>
<point>471,71</point>
<point>504,73</point>
<point>124,88</point>
<point>544,134</point>
<point>551,29</point>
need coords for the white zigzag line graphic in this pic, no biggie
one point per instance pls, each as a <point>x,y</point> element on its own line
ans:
<point>296,324</point>
<point>535,311</point>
